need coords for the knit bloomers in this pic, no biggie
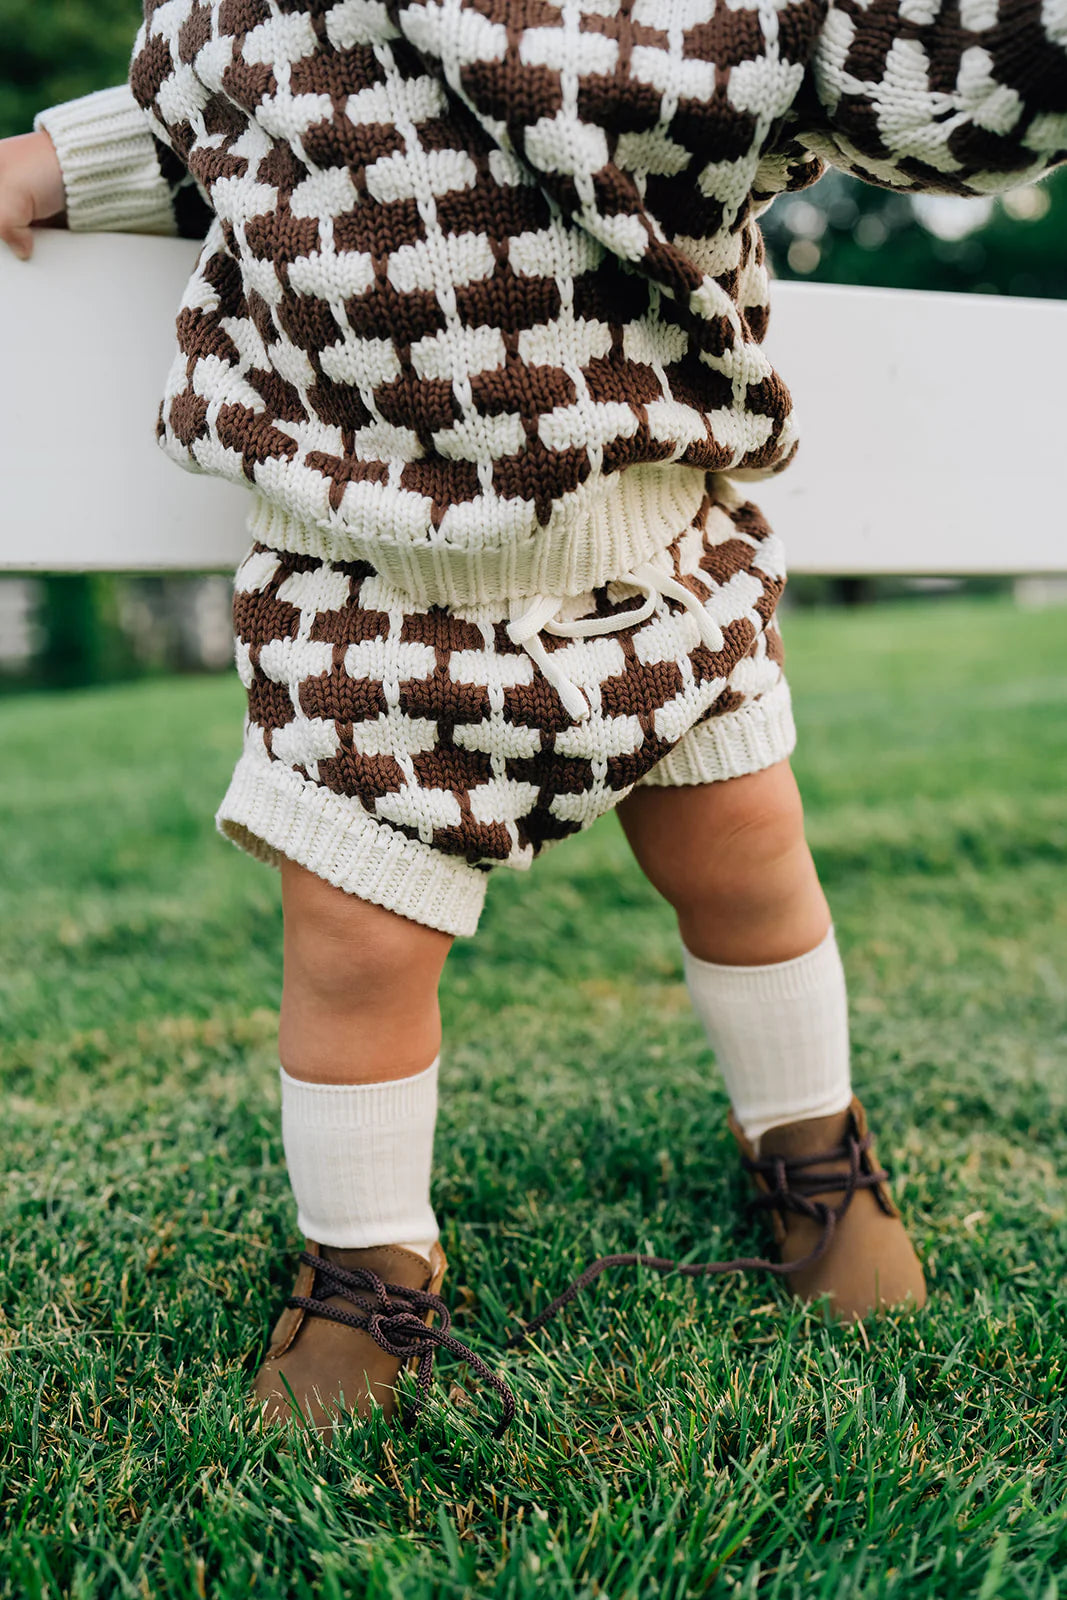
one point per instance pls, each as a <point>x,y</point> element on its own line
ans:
<point>401,751</point>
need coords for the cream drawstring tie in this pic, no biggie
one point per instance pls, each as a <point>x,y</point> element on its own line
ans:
<point>540,613</point>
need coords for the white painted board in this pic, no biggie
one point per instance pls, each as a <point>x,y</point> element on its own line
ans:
<point>934,426</point>
<point>86,338</point>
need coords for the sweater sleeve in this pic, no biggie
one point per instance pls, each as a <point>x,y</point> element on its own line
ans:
<point>118,176</point>
<point>630,125</point>
<point>941,96</point>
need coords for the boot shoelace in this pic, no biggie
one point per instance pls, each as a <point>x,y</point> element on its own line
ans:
<point>393,1316</point>
<point>395,1325</point>
<point>794,1182</point>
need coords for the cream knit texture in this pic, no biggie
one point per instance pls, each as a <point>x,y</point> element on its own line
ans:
<point>779,1033</point>
<point>755,736</point>
<point>604,528</point>
<point>359,1158</point>
<point>272,812</point>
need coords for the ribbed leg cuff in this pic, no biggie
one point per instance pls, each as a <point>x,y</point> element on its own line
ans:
<point>271,811</point>
<point>755,736</point>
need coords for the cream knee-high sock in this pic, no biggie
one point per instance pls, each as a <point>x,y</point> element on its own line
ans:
<point>779,1033</point>
<point>359,1159</point>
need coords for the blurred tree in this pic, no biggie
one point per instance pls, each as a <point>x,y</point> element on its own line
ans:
<point>842,231</point>
<point>82,640</point>
<point>56,49</point>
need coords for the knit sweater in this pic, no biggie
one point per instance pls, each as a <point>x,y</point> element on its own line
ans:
<point>482,292</point>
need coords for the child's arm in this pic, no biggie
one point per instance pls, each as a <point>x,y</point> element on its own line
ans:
<point>98,160</point>
<point>926,96</point>
<point>118,174</point>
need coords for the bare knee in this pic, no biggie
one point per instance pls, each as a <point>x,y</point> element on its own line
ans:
<point>755,828</point>
<point>726,843</point>
<point>348,953</point>
<point>754,863</point>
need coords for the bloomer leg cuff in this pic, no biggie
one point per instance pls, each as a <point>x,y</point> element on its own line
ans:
<point>270,811</point>
<point>755,736</point>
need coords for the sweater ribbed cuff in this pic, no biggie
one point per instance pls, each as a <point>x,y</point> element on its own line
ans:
<point>110,169</point>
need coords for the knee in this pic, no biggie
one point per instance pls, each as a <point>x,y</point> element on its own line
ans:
<point>350,966</point>
<point>755,828</point>
<point>349,954</point>
<point>753,848</point>
<point>743,845</point>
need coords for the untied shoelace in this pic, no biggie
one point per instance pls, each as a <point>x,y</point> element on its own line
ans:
<point>540,613</point>
<point>393,1315</point>
<point>395,1318</point>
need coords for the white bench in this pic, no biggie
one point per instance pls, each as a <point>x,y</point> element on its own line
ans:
<point>942,452</point>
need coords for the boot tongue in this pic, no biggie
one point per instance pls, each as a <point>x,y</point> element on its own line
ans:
<point>808,1138</point>
<point>391,1262</point>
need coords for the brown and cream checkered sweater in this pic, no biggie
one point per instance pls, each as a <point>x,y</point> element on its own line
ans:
<point>482,291</point>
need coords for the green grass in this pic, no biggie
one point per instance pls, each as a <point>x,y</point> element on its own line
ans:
<point>674,1439</point>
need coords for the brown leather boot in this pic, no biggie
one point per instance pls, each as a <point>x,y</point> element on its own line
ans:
<point>354,1319</point>
<point>809,1172</point>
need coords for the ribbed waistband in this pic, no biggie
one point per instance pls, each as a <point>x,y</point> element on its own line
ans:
<point>607,528</point>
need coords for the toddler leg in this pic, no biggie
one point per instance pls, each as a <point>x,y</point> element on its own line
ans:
<point>760,957</point>
<point>766,980</point>
<point>359,1042</point>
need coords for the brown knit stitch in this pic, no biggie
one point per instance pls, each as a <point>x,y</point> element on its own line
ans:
<point>317,642</point>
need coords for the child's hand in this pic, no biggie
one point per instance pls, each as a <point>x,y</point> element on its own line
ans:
<point>31,189</point>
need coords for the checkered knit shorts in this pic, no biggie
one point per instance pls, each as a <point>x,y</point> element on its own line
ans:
<point>402,751</point>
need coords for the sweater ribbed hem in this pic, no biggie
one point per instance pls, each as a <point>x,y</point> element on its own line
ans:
<point>599,532</point>
<point>108,159</point>
<point>270,812</point>
<point>755,736</point>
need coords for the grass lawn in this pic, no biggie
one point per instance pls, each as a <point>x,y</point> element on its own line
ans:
<point>673,1439</point>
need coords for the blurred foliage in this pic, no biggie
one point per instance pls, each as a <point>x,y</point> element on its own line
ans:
<point>77,616</point>
<point>52,50</point>
<point>842,231</point>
